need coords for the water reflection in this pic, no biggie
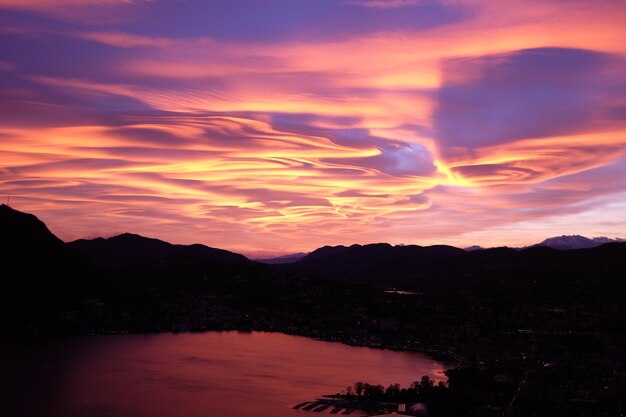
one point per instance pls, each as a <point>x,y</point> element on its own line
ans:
<point>209,374</point>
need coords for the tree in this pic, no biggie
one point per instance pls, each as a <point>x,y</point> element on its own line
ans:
<point>358,387</point>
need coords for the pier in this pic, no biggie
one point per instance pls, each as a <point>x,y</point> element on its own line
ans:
<point>321,408</point>
<point>341,404</point>
<point>324,403</point>
<point>311,406</point>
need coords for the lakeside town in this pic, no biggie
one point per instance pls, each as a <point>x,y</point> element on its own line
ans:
<point>532,358</point>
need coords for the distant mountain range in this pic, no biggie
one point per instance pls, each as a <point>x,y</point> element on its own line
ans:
<point>473,248</point>
<point>446,267</point>
<point>576,242</point>
<point>284,259</point>
<point>26,242</point>
<point>565,242</point>
<point>130,281</point>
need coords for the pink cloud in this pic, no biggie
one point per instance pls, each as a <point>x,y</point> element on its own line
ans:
<point>384,4</point>
<point>288,143</point>
<point>127,40</point>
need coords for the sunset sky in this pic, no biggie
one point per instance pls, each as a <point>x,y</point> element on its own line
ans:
<point>277,126</point>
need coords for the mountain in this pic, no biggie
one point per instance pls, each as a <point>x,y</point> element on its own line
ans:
<point>41,277</point>
<point>146,285</point>
<point>131,250</point>
<point>446,268</point>
<point>576,242</point>
<point>378,263</point>
<point>379,253</point>
<point>473,248</point>
<point>26,244</point>
<point>285,259</point>
<point>51,287</point>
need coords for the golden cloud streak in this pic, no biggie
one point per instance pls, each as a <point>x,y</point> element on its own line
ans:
<point>322,141</point>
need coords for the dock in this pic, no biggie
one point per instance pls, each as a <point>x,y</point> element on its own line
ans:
<point>311,406</point>
<point>336,405</point>
<point>321,408</point>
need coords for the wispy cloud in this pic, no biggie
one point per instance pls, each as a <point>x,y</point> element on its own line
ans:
<point>384,4</point>
<point>401,125</point>
<point>128,40</point>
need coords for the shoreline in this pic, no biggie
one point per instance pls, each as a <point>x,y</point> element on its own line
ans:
<point>445,357</point>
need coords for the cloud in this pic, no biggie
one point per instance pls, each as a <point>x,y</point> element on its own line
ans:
<point>6,66</point>
<point>393,158</point>
<point>46,4</point>
<point>92,11</point>
<point>385,4</point>
<point>299,124</point>
<point>526,94</point>
<point>128,40</point>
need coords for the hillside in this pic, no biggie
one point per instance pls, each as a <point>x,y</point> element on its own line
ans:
<point>128,250</point>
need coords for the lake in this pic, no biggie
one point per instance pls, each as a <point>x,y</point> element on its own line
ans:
<point>221,374</point>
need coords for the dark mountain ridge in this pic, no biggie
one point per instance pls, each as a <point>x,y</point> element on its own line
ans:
<point>380,251</point>
<point>377,263</point>
<point>129,249</point>
<point>56,287</point>
<point>40,275</point>
<point>447,267</point>
<point>26,242</point>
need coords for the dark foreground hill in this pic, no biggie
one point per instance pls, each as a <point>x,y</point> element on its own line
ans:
<point>27,245</point>
<point>39,274</point>
<point>52,287</point>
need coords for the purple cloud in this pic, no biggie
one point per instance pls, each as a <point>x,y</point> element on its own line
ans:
<point>532,93</point>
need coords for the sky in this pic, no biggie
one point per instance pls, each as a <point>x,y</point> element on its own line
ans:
<point>277,126</point>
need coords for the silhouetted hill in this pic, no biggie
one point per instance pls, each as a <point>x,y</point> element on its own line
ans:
<point>25,238</point>
<point>134,250</point>
<point>488,258</point>
<point>447,268</point>
<point>40,275</point>
<point>53,287</point>
<point>379,263</point>
<point>23,233</point>
<point>377,253</point>
<point>324,252</point>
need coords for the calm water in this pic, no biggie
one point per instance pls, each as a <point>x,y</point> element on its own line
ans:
<point>207,374</point>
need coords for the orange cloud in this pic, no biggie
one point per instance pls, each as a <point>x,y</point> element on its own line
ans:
<point>440,134</point>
